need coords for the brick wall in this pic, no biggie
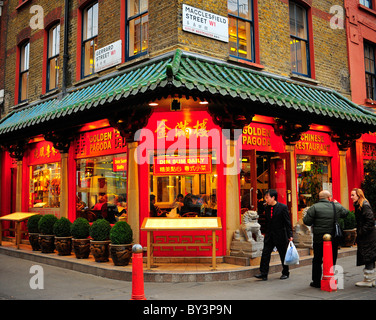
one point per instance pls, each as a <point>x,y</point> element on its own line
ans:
<point>166,34</point>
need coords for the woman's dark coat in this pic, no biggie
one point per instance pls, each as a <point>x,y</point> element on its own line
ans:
<point>366,234</point>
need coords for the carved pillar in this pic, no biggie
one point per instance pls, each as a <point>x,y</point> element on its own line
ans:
<point>128,123</point>
<point>232,123</point>
<point>16,151</point>
<point>344,140</point>
<point>293,192</point>
<point>61,142</point>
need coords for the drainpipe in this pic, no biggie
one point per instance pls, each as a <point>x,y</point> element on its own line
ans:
<point>65,54</point>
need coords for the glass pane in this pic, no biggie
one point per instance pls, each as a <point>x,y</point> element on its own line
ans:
<point>292,19</point>
<point>143,5</point>
<point>24,85</point>
<point>298,52</point>
<point>245,40</point>
<point>101,190</point>
<point>145,32</point>
<point>133,8</point>
<point>138,35</point>
<point>53,73</point>
<point>54,41</point>
<point>46,186</point>
<point>90,47</point>
<point>91,22</point>
<point>232,6</point>
<point>245,9</point>
<point>233,40</point>
<point>25,57</point>
<point>301,22</point>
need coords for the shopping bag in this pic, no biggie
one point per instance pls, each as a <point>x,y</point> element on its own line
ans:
<point>292,255</point>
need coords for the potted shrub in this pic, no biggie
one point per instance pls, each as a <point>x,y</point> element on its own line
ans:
<point>121,237</point>
<point>63,238</point>
<point>46,235</point>
<point>348,225</point>
<point>80,231</point>
<point>99,245</point>
<point>32,228</point>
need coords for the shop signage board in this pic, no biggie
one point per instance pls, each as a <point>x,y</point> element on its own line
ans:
<point>205,23</point>
<point>181,165</point>
<point>99,143</point>
<point>107,56</point>
<point>315,143</point>
<point>43,152</point>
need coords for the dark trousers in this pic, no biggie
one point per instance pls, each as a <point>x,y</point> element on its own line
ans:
<point>266,253</point>
<point>318,251</point>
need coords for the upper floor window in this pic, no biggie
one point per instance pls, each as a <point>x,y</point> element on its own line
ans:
<point>24,72</point>
<point>53,57</point>
<point>89,39</point>
<point>241,29</point>
<point>369,64</point>
<point>299,44</point>
<point>366,3</point>
<point>138,27</point>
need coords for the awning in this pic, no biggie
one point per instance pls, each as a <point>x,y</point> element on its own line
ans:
<point>193,75</point>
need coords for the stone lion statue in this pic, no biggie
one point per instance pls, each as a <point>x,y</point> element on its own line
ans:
<point>249,229</point>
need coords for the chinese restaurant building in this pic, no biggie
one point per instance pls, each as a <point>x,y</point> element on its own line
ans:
<point>180,123</point>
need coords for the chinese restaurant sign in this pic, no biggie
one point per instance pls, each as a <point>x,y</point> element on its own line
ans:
<point>43,152</point>
<point>180,165</point>
<point>314,143</point>
<point>100,142</point>
<point>120,164</point>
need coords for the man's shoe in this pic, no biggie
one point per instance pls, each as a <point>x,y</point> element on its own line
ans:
<point>315,285</point>
<point>261,276</point>
<point>284,277</point>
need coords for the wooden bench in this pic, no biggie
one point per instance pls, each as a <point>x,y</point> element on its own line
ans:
<point>17,217</point>
<point>180,224</point>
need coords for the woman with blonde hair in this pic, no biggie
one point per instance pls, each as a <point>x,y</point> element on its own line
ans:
<point>366,237</point>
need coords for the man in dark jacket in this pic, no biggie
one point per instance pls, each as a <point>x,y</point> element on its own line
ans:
<point>278,234</point>
<point>321,217</point>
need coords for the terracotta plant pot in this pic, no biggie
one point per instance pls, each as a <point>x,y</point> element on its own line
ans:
<point>63,245</point>
<point>47,243</point>
<point>81,248</point>
<point>100,250</point>
<point>34,241</point>
<point>349,237</point>
<point>121,254</point>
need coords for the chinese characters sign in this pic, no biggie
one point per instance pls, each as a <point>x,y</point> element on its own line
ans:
<point>183,129</point>
<point>43,152</point>
<point>180,165</point>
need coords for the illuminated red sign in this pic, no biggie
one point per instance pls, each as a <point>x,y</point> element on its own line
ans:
<point>44,152</point>
<point>179,165</point>
<point>119,164</point>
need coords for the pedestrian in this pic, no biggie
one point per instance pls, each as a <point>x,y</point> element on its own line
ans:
<point>366,237</point>
<point>278,233</point>
<point>321,217</point>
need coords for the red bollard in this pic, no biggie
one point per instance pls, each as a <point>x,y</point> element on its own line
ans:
<point>328,283</point>
<point>137,274</point>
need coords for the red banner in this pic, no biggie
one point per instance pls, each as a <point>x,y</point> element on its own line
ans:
<point>179,165</point>
<point>43,152</point>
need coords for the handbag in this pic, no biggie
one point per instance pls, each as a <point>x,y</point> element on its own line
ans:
<point>338,234</point>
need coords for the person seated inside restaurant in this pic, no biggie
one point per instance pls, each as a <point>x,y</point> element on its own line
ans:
<point>121,208</point>
<point>191,204</point>
<point>178,203</point>
<point>154,210</point>
<point>211,210</point>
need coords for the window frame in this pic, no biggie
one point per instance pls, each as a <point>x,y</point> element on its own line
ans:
<point>371,5</point>
<point>84,41</point>
<point>307,41</point>
<point>252,23</point>
<point>22,48</point>
<point>50,58</point>
<point>369,73</point>
<point>128,19</point>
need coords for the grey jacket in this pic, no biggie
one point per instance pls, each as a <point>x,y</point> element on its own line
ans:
<point>321,217</point>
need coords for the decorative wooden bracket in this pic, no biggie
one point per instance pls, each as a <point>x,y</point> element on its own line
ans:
<point>290,132</point>
<point>234,120</point>
<point>344,139</point>
<point>129,121</point>
<point>16,150</point>
<point>60,139</point>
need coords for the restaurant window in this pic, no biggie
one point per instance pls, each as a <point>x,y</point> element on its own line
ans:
<point>45,185</point>
<point>314,175</point>
<point>24,71</point>
<point>102,188</point>
<point>138,27</point>
<point>369,64</point>
<point>299,44</point>
<point>89,39</point>
<point>241,29</point>
<point>366,3</point>
<point>183,185</point>
<point>53,57</point>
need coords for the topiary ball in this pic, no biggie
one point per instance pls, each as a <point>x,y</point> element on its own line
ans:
<point>121,233</point>
<point>62,227</point>
<point>46,224</point>
<point>80,228</point>
<point>32,223</point>
<point>100,230</point>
